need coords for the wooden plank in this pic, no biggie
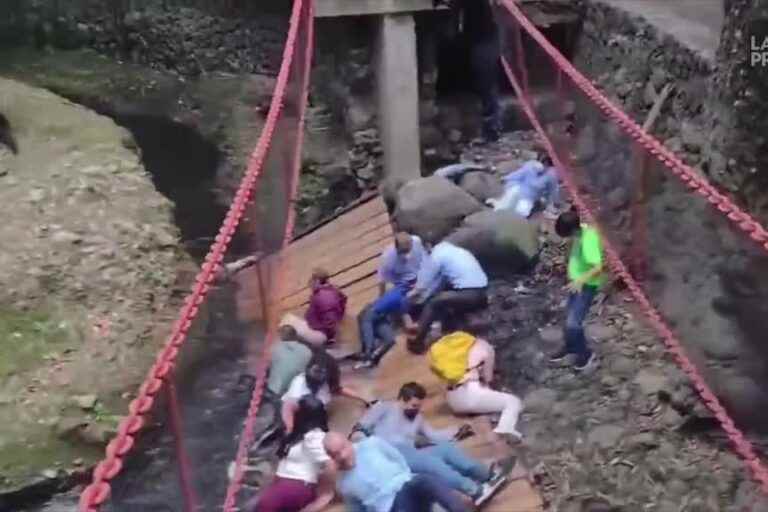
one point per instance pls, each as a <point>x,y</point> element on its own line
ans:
<point>337,259</point>
<point>371,209</point>
<point>363,270</point>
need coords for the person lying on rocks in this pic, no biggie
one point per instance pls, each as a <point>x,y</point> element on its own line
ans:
<point>533,184</point>
<point>451,281</point>
<point>305,475</point>
<point>374,477</point>
<point>454,172</point>
<point>401,424</point>
<point>400,264</point>
<point>228,270</point>
<point>321,379</point>
<point>466,364</point>
<point>586,275</point>
<point>327,305</point>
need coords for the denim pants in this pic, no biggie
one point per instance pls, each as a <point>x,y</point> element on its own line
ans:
<point>422,492</point>
<point>446,462</point>
<point>576,312</point>
<point>376,330</point>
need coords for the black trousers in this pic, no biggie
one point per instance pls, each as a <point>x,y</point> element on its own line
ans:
<point>447,302</point>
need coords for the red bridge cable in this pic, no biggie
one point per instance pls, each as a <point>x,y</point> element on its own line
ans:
<point>741,445</point>
<point>99,490</point>
<point>302,10</point>
<point>685,173</point>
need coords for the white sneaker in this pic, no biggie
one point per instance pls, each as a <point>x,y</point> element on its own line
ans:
<point>487,491</point>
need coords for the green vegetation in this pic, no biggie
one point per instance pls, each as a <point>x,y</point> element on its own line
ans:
<point>29,338</point>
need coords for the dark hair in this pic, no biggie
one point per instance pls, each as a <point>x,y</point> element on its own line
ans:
<point>288,333</point>
<point>323,358</point>
<point>310,415</point>
<point>547,160</point>
<point>453,323</point>
<point>411,390</point>
<point>567,223</point>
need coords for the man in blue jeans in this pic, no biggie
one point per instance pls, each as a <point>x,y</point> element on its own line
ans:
<point>400,264</point>
<point>374,477</point>
<point>586,275</point>
<point>401,423</point>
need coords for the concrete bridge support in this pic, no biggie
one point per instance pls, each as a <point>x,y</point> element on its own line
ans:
<point>397,77</point>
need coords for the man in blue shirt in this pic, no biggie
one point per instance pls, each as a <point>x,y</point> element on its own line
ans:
<point>374,477</point>
<point>451,281</point>
<point>532,183</point>
<point>400,264</point>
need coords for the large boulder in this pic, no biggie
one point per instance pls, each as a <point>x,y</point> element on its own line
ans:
<point>482,185</point>
<point>501,241</point>
<point>432,207</point>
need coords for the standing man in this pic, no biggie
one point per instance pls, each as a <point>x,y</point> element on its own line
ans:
<point>586,275</point>
<point>400,264</point>
<point>374,477</point>
<point>478,26</point>
<point>451,282</point>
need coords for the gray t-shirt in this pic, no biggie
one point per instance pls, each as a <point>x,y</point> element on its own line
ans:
<point>289,359</point>
<point>387,421</point>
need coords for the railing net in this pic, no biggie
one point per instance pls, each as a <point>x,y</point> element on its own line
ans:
<point>177,448</point>
<point>705,273</point>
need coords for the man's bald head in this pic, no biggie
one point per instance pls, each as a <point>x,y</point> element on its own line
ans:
<point>340,450</point>
<point>403,243</point>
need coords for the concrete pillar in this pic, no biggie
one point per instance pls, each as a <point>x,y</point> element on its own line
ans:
<point>398,96</point>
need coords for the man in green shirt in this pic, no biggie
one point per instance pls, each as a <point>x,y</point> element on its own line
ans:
<point>586,276</point>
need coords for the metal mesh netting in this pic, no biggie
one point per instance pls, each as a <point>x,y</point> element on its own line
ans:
<point>707,277</point>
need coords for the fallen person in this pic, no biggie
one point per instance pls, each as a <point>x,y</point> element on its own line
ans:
<point>533,184</point>
<point>401,424</point>
<point>400,264</point>
<point>290,358</point>
<point>466,364</point>
<point>304,479</point>
<point>450,282</point>
<point>321,379</point>
<point>454,172</point>
<point>374,477</point>
<point>586,275</point>
<point>228,270</point>
<point>327,306</point>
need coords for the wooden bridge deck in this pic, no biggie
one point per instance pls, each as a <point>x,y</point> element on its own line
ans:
<point>349,248</point>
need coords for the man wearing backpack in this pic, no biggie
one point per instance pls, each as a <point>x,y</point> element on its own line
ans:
<point>451,282</point>
<point>586,276</point>
<point>401,424</point>
<point>466,364</point>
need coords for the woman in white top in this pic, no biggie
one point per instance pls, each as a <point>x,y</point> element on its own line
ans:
<point>303,464</point>
<point>474,395</point>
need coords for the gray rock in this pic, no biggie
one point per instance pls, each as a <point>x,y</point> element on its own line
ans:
<point>85,402</point>
<point>622,366</point>
<point>481,185</point>
<point>586,145</point>
<point>601,332</point>
<point>498,239</point>
<point>540,400</point>
<point>551,335</point>
<point>671,418</point>
<point>693,137</point>
<point>605,436</point>
<point>67,428</point>
<point>649,94</point>
<point>432,207</point>
<point>644,440</point>
<point>651,382</point>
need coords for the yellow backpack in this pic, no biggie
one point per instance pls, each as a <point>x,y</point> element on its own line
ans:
<point>449,356</point>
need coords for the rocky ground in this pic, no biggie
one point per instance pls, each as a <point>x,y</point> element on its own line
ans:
<point>89,271</point>
<point>632,434</point>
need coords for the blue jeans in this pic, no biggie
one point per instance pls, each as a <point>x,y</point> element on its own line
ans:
<point>375,330</point>
<point>448,463</point>
<point>576,312</point>
<point>421,492</point>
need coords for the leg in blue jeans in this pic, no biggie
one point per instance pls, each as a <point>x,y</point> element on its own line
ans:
<point>576,312</point>
<point>425,462</point>
<point>367,335</point>
<point>421,492</point>
<point>458,460</point>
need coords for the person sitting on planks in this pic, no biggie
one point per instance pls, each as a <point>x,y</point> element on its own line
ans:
<point>327,305</point>
<point>400,264</point>
<point>305,475</point>
<point>466,364</point>
<point>374,477</point>
<point>321,379</point>
<point>401,424</point>
<point>451,281</point>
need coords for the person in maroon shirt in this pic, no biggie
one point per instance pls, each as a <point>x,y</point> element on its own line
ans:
<point>327,306</point>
